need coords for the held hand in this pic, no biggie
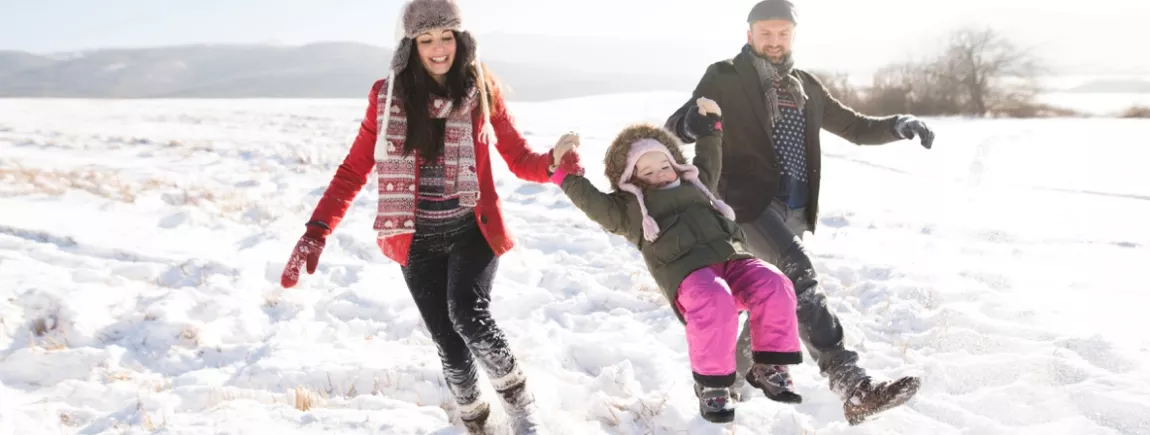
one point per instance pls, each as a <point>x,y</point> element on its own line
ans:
<point>571,164</point>
<point>307,251</point>
<point>707,105</point>
<point>566,143</point>
<point>707,120</point>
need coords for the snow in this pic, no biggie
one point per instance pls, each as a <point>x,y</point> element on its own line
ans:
<point>141,244</point>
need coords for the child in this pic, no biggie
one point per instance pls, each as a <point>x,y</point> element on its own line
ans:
<point>696,254</point>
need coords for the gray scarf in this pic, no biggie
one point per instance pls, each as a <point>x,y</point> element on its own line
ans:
<point>771,73</point>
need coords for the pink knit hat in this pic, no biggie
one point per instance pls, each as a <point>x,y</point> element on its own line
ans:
<point>687,172</point>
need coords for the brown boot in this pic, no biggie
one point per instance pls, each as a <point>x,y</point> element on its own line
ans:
<point>871,398</point>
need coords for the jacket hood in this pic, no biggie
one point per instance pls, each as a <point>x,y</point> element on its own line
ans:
<point>615,162</point>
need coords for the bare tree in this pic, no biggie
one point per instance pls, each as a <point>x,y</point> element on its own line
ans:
<point>975,72</point>
<point>923,88</point>
<point>992,72</point>
<point>839,86</point>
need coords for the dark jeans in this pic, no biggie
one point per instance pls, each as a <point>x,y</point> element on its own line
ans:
<point>775,237</point>
<point>450,275</point>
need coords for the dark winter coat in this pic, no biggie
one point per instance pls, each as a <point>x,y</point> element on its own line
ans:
<point>692,234</point>
<point>751,169</point>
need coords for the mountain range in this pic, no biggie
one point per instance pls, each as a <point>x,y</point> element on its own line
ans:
<point>319,70</point>
<point>533,67</point>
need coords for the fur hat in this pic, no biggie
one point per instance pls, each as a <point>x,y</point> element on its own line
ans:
<point>631,144</point>
<point>421,16</point>
<point>773,10</point>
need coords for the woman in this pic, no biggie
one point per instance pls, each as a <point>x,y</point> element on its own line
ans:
<point>439,216</point>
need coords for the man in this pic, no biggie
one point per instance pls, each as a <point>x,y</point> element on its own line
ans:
<point>773,114</point>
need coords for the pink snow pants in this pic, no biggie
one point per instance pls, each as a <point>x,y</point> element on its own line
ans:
<point>710,300</point>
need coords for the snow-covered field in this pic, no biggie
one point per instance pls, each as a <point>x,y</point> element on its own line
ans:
<point>141,244</point>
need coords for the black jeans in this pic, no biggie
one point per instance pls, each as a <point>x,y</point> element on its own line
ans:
<point>450,275</point>
<point>775,237</point>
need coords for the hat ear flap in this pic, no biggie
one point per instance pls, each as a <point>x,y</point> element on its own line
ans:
<point>400,57</point>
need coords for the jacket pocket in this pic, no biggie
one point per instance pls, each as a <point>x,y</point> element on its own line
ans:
<point>676,238</point>
<point>733,231</point>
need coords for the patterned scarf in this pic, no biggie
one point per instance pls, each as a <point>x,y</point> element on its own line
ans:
<point>397,172</point>
<point>779,74</point>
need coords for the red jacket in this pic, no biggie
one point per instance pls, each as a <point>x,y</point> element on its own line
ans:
<point>353,174</point>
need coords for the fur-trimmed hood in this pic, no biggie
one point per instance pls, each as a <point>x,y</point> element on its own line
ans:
<point>615,162</point>
<point>629,146</point>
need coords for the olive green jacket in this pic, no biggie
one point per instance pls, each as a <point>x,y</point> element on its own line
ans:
<point>693,234</point>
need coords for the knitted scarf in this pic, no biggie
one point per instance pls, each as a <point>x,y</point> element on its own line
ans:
<point>397,172</point>
<point>770,75</point>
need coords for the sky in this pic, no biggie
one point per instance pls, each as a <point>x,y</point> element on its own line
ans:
<point>1099,33</point>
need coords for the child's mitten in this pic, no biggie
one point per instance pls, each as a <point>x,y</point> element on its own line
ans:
<point>571,163</point>
<point>707,120</point>
<point>566,143</point>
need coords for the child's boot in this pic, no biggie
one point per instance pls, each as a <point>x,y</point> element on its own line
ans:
<point>715,404</point>
<point>775,381</point>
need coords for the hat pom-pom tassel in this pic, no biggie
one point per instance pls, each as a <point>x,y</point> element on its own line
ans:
<point>650,229</point>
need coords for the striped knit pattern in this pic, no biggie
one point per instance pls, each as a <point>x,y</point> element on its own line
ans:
<point>437,212</point>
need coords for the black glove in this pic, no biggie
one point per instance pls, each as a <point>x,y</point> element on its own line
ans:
<point>908,126</point>
<point>699,125</point>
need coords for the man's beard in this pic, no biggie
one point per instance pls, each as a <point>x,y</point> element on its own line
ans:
<point>774,59</point>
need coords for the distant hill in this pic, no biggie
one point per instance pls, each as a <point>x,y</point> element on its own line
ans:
<point>15,61</point>
<point>321,70</point>
<point>1120,86</point>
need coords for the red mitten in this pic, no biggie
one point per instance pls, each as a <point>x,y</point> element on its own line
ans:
<point>570,163</point>
<point>307,251</point>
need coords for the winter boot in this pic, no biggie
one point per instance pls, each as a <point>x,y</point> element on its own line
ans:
<point>715,404</point>
<point>775,381</point>
<point>870,398</point>
<point>521,410</point>
<point>474,417</point>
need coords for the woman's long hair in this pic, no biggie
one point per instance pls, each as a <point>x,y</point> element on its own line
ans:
<point>424,135</point>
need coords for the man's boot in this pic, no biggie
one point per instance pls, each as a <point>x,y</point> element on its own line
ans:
<point>870,397</point>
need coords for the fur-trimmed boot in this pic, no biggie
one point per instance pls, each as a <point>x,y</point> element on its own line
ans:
<point>474,417</point>
<point>522,413</point>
